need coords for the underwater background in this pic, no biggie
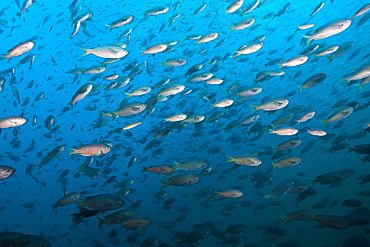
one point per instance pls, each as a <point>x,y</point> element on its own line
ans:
<point>247,152</point>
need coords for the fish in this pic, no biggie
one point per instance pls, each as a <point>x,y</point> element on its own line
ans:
<point>111,51</point>
<point>129,109</point>
<point>12,121</point>
<point>191,164</point>
<point>230,193</point>
<point>13,239</point>
<point>280,189</point>
<point>158,10</point>
<point>120,22</point>
<point>245,160</point>
<point>271,104</point>
<point>50,156</point>
<point>313,81</point>
<point>102,202</point>
<point>243,24</point>
<point>295,61</point>
<point>362,11</point>
<point>234,6</point>
<point>135,222</point>
<point>287,162</point>
<point>184,179</point>
<point>88,150</point>
<point>19,49</point>
<point>329,29</point>
<point>66,200</point>
<point>330,220</point>
<point>361,73</point>
<point>81,93</point>
<point>338,115</point>
<point>317,132</point>
<point>155,49</point>
<point>6,171</point>
<point>177,146</point>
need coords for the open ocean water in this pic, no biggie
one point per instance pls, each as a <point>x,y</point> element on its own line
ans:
<point>184,123</point>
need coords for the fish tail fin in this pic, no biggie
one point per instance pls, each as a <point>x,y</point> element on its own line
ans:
<point>7,57</point>
<point>330,58</point>
<point>193,199</point>
<point>325,122</point>
<point>359,85</point>
<point>101,222</point>
<point>128,94</point>
<point>54,206</point>
<point>274,164</point>
<point>286,219</point>
<point>311,217</point>
<point>163,184</point>
<point>309,38</point>
<point>313,180</point>
<point>71,104</point>
<point>87,51</point>
<point>114,115</point>
<point>231,29</point>
<point>300,88</point>
<point>347,80</point>
<point>176,165</point>
<point>268,197</point>
<point>230,159</point>
<point>144,52</point>
<point>163,64</point>
<point>72,151</point>
<point>80,203</point>
<point>298,122</point>
<point>255,108</point>
<point>144,169</point>
<point>350,149</point>
<point>80,168</point>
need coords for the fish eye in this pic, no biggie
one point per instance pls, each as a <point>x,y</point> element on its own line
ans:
<point>119,202</point>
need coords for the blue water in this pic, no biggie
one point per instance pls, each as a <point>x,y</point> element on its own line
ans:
<point>57,54</point>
